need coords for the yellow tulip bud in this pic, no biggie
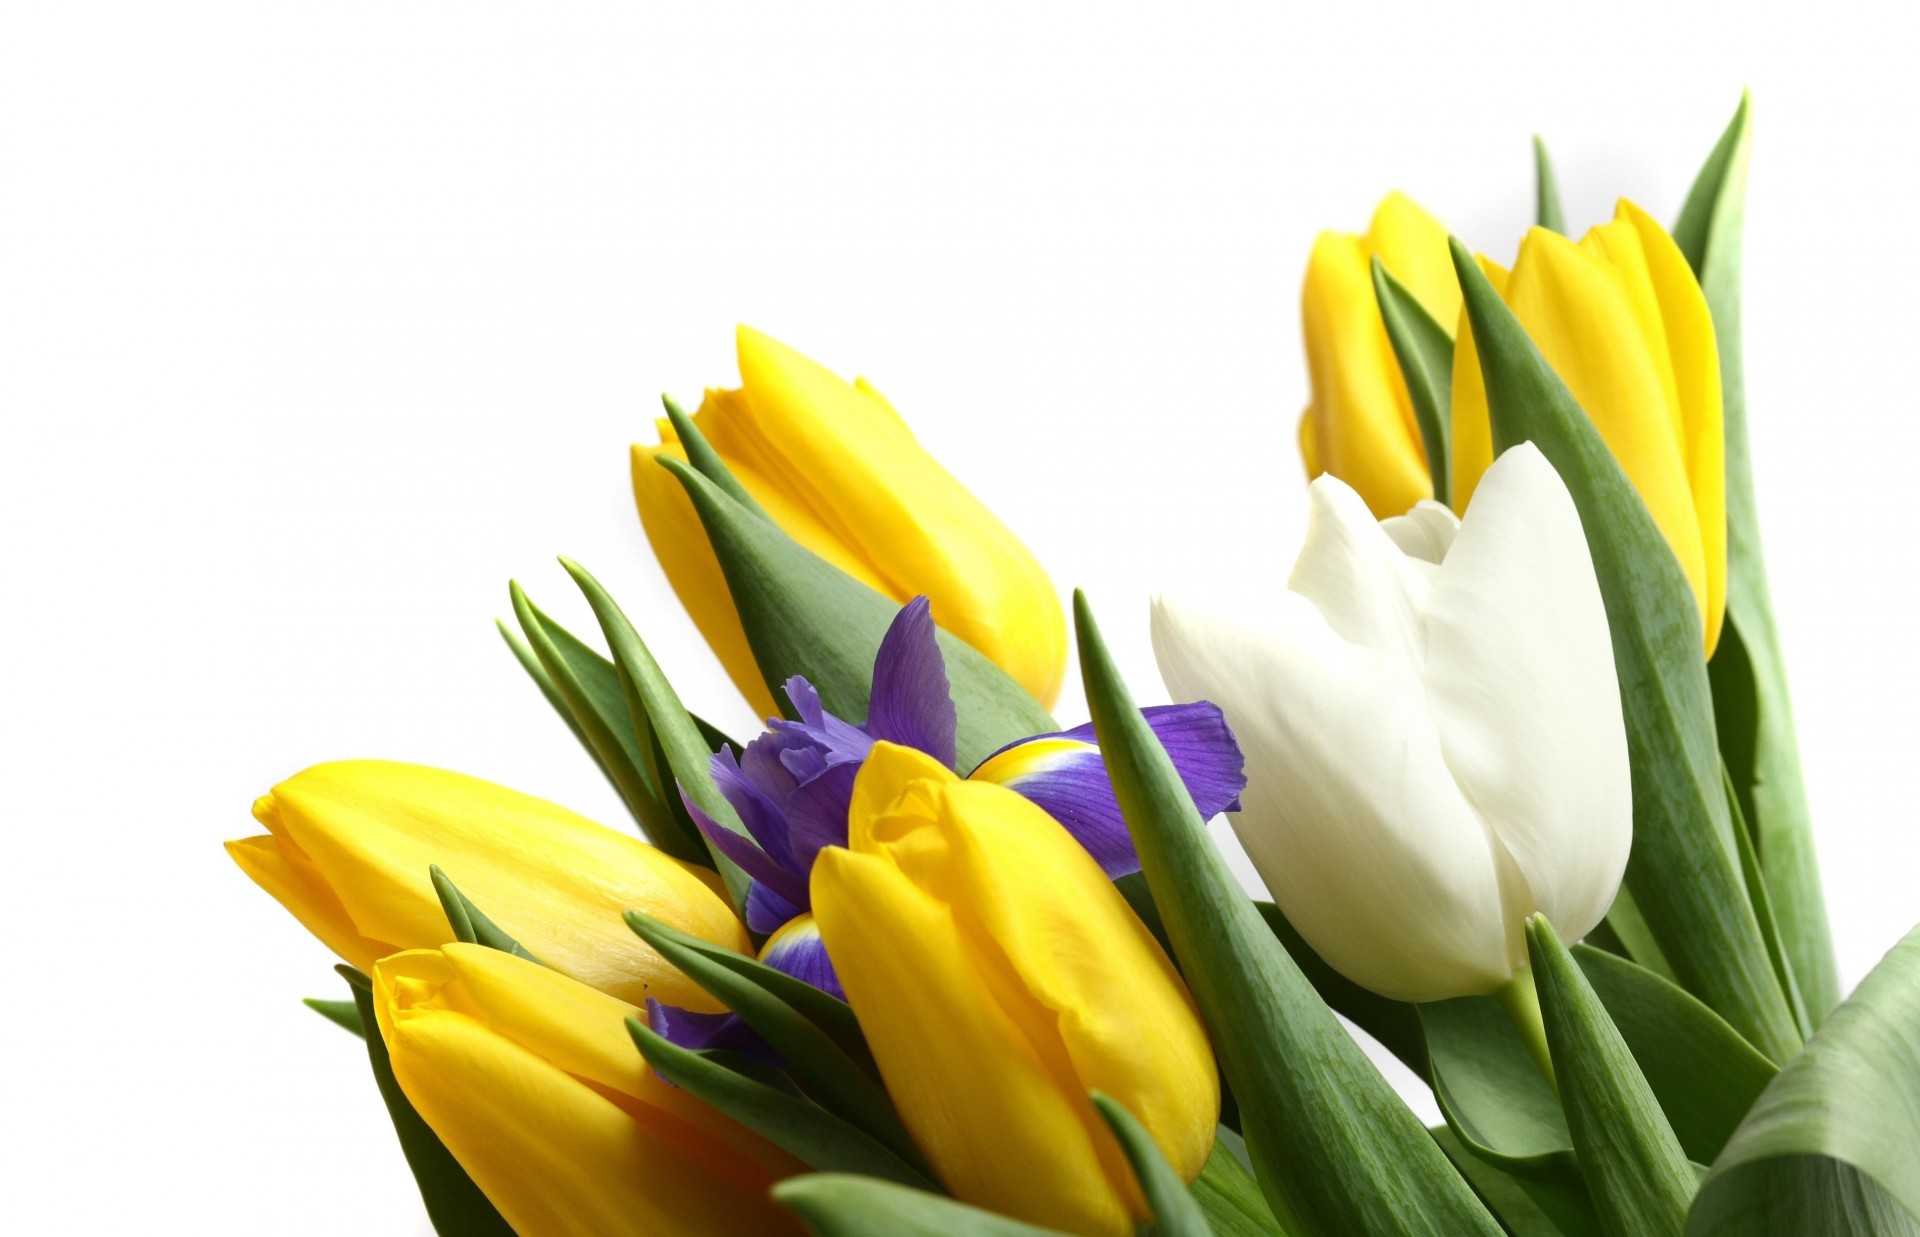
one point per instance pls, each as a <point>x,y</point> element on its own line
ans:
<point>1000,978</point>
<point>836,468</point>
<point>1360,426</point>
<point>1622,320</point>
<point>349,845</point>
<point>532,1082</point>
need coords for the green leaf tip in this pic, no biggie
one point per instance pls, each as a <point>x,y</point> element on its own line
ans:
<point>343,1014</point>
<point>1175,1213</point>
<point>1547,210</point>
<point>1424,350</point>
<point>470,925</point>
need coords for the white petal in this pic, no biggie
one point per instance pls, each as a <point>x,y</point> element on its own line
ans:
<point>1370,592</point>
<point>1350,814</point>
<point>1425,532</point>
<point>1520,679</point>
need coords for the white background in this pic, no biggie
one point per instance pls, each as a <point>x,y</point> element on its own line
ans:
<point>322,321</point>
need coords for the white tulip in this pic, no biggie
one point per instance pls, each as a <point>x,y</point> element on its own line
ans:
<point>1432,731</point>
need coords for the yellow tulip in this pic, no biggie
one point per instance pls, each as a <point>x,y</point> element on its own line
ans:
<point>349,844</point>
<point>532,1082</point>
<point>1622,320</point>
<point>836,468</point>
<point>1360,426</point>
<point>1000,978</point>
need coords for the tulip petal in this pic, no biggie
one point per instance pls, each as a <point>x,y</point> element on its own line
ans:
<point>1424,533</point>
<point>912,703</point>
<point>797,950</point>
<point>1065,775</point>
<point>279,868</point>
<point>1351,815</point>
<point>1369,592</point>
<point>1520,679</point>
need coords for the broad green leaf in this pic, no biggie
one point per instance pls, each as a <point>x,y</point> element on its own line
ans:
<point>1749,667</point>
<point>1333,1148</point>
<point>454,1203</point>
<point>804,616</point>
<point>1637,1174</point>
<point>1636,937</point>
<point>339,1013</point>
<point>1762,900</point>
<point>469,924</point>
<point>1683,871</point>
<point>1833,1143</point>
<point>811,1031</point>
<point>1175,1213</point>
<point>805,1130</point>
<point>844,1205</point>
<point>1424,349</point>
<point>676,745</point>
<point>1395,1024</point>
<point>1230,1198</point>
<point>1704,1075</point>
<point>1493,1095</point>
<point>1546,191</point>
<point>707,462</point>
<point>1527,1207</point>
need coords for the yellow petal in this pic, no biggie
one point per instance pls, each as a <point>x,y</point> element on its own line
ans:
<point>281,870</point>
<point>1412,245</point>
<point>556,1153</point>
<point>556,882</point>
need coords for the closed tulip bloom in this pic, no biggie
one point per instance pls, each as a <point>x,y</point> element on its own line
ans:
<point>835,467</point>
<point>533,1083</point>
<point>349,846</point>
<point>1620,317</point>
<point>1360,426</point>
<point>1433,732</point>
<point>1000,978</point>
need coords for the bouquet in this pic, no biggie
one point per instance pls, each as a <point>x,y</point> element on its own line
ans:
<point>1512,752</point>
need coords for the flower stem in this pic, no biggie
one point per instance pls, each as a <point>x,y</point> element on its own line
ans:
<point>1521,1000</point>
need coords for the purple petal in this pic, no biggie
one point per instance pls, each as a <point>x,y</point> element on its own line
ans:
<point>750,858</point>
<point>1064,774</point>
<point>696,1031</point>
<point>817,812</point>
<point>767,911</point>
<point>823,727</point>
<point>912,703</point>
<point>797,950</point>
<point>759,813</point>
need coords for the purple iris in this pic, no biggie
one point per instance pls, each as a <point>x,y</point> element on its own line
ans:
<point>793,788</point>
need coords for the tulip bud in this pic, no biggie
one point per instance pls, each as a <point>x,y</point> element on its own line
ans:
<point>1000,978</point>
<point>1434,741</point>
<point>835,467</point>
<point>533,1084</point>
<point>1360,426</point>
<point>349,845</point>
<point>1621,318</point>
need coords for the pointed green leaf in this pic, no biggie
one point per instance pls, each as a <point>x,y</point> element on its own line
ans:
<point>1424,349</point>
<point>1749,668</point>
<point>1639,1178</point>
<point>1683,870</point>
<point>1526,1207</point>
<point>707,462</point>
<point>1334,1149</point>
<point>1230,1198</point>
<point>805,616</point>
<point>454,1203</point>
<point>339,1013</point>
<point>1626,922</point>
<point>1546,191</point>
<point>530,663</point>
<point>844,1205</point>
<point>801,1127</point>
<point>469,924</point>
<point>1493,1095</point>
<point>671,734</point>
<point>1175,1214</point>
<point>1830,1145</point>
<point>1396,1024</point>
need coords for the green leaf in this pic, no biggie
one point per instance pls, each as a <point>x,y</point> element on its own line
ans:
<point>1638,1176</point>
<point>1395,1024</point>
<point>530,663</point>
<point>1175,1213</point>
<point>707,462</point>
<point>1424,349</point>
<point>804,616</point>
<point>339,1013</point>
<point>1491,1092</point>
<point>1230,1198</point>
<point>675,743</point>
<point>467,921</point>
<point>1526,1207</point>
<point>1749,668</point>
<point>813,1032</point>
<point>1334,1149</point>
<point>454,1203</point>
<point>1762,901</point>
<point>1636,937</point>
<point>843,1205</point>
<point>1546,191</point>
<point>1829,1147</point>
<point>1683,870</point>
<point>805,1130</point>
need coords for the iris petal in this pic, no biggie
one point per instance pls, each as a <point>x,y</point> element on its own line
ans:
<point>750,858</point>
<point>912,702</point>
<point>797,950</point>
